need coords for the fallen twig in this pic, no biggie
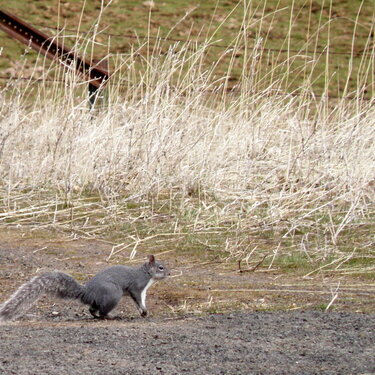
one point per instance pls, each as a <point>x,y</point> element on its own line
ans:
<point>252,269</point>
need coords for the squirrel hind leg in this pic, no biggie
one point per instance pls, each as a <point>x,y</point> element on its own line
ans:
<point>101,309</point>
<point>98,313</point>
<point>101,298</point>
<point>94,311</point>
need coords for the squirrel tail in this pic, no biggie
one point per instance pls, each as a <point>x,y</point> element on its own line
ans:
<point>58,284</point>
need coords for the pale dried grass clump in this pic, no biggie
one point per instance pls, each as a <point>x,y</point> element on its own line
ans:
<point>292,155</point>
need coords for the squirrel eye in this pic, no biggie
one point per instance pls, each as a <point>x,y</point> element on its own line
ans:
<point>161,268</point>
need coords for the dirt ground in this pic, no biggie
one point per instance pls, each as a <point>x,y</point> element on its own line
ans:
<point>237,343</point>
<point>206,319</point>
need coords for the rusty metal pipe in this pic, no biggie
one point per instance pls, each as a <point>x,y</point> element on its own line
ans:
<point>49,47</point>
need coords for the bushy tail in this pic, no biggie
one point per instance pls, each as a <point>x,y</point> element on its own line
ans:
<point>55,283</point>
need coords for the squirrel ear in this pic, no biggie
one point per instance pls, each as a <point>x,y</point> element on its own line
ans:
<point>151,259</point>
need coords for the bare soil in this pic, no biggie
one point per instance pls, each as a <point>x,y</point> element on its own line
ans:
<point>208,319</point>
<point>237,343</point>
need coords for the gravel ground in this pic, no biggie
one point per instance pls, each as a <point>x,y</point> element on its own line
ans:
<point>237,343</point>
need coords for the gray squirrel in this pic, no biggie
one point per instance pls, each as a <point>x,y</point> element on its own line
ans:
<point>103,292</point>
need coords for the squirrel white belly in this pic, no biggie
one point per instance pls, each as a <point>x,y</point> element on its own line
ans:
<point>103,292</point>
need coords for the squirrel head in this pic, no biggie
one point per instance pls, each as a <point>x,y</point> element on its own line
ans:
<point>156,269</point>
